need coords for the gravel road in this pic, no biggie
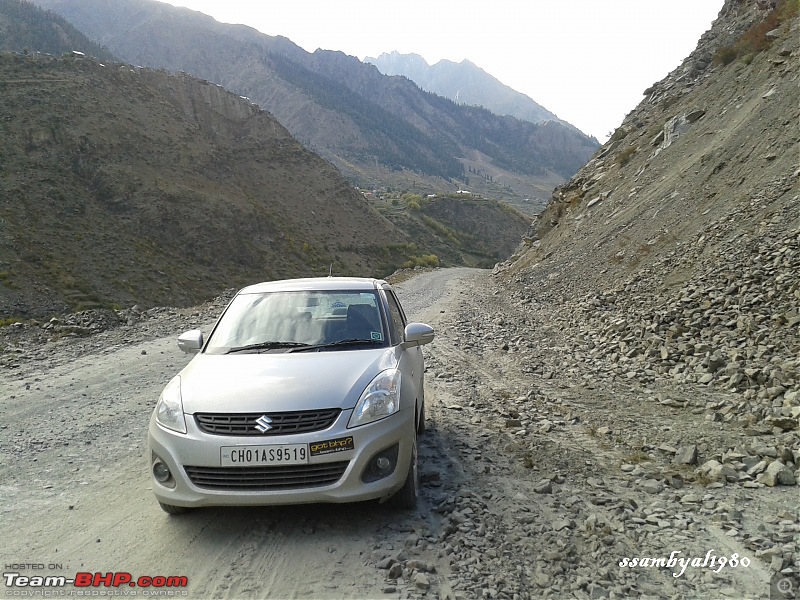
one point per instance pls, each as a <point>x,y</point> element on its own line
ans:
<point>538,479</point>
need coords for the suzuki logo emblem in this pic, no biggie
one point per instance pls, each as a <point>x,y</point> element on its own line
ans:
<point>263,423</point>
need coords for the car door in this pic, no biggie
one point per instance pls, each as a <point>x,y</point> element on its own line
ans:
<point>397,325</point>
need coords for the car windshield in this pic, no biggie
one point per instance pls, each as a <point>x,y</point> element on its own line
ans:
<point>291,321</point>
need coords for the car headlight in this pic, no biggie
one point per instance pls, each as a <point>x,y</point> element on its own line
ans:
<point>379,400</point>
<point>169,410</point>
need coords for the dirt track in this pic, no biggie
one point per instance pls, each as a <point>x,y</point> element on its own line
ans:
<point>524,493</point>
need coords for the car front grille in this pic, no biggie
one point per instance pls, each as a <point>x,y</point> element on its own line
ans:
<point>290,477</point>
<point>285,423</point>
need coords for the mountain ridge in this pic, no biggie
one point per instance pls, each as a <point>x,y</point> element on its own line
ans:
<point>28,28</point>
<point>464,83</point>
<point>394,134</point>
<point>125,185</point>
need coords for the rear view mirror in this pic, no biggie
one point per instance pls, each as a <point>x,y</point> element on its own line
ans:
<point>418,334</point>
<point>191,341</point>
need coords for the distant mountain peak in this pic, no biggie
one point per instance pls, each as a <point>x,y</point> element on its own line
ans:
<point>395,56</point>
<point>464,83</point>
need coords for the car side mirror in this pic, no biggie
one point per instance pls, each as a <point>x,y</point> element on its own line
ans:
<point>418,334</point>
<point>191,341</point>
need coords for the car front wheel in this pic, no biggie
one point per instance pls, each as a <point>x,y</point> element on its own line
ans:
<point>171,509</point>
<point>421,426</point>
<point>406,497</point>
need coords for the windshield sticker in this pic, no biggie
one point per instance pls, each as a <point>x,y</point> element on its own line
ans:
<point>338,304</point>
<point>376,335</point>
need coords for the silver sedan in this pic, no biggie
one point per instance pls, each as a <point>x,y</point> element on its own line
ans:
<point>306,390</point>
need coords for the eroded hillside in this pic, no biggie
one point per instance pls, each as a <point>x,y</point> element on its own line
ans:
<point>708,142</point>
<point>125,185</point>
<point>675,252</point>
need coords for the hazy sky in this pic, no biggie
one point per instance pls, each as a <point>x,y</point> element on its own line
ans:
<point>587,61</point>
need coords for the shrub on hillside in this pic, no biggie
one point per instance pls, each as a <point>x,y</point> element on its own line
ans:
<point>755,39</point>
<point>428,260</point>
<point>625,155</point>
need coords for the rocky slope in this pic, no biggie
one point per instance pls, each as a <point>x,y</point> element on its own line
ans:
<point>675,251</point>
<point>671,262</point>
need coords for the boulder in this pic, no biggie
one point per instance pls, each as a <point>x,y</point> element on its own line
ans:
<point>777,473</point>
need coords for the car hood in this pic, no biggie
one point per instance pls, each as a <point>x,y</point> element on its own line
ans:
<point>280,382</point>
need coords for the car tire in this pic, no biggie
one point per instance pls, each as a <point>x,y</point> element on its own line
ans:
<point>421,425</point>
<point>406,496</point>
<point>171,509</point>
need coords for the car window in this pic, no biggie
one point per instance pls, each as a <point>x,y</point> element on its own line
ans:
<point>398,324</point>
<point>299,318</point>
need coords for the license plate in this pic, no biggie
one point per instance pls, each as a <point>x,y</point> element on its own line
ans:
<point>273,454</point>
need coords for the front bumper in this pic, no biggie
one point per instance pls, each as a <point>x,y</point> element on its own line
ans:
<point>200,452</point>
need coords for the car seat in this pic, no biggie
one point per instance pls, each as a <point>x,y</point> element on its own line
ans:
<point>363,322</point>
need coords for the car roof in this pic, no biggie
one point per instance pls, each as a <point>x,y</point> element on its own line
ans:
<point>316,284</point>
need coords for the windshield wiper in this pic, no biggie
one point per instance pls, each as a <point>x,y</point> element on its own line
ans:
<point>266,346</point>
<point>349,342</point>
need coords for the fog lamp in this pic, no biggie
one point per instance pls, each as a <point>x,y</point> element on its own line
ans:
<point>161,472</point>
<point>381,464</point>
